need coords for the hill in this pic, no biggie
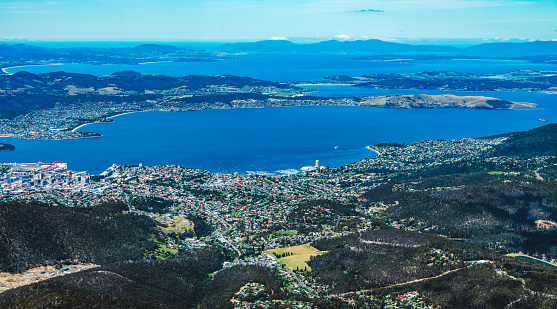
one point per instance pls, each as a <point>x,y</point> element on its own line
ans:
<point>529,48</point>
<point>36,234</point>
<point>538,141</point>
<point>381,267</point>
<point>442,101</point>
<point>492,199</point>
<point>173,283</point>
<point>25,92</point>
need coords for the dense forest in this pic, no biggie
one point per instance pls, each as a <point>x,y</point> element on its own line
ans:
<point>35,234</point>
<point>180,282</point>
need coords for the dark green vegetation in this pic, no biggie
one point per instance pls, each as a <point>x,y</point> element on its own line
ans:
<point>444,80</point>
<point>25,92</point>
<point>6,147</point>
<point>174,283</point>
<point>229,281</point>
<point>200,226</point>
<point>536,142</point>
<point>494,202</point>
<point>34,234</point>
<point>151,204</point>
<point>499,216</point>
<point>313,216</point>
<point>57,82</point>
<point>446,273</point>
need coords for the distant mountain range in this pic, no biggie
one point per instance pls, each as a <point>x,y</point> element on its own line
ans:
<point>379,46</point>
<point>335,46</point>
<point>22,53</point>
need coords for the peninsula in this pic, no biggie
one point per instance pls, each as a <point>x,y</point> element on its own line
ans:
<point>516,81</point>
<point>442,101</point>
<point>53,105</point>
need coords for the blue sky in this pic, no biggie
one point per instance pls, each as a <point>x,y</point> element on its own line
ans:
<point>197,20</point>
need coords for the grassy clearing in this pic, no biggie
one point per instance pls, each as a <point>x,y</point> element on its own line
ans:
<point>178,224</point>
<point>300,255</point>
<point>163,248</point>
<point>289,233</point>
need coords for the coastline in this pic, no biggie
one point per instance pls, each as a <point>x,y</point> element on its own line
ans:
<point>374,150</point>
<point>26,65</point>
<point>4,70</point>
<point>119,114</point>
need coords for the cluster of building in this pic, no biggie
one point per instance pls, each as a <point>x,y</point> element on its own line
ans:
<point>61,121</point>
<point>22,178</point>
<point>243,209</point>
<point>424,154</point>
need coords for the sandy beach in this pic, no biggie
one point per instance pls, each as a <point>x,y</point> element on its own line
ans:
<point>23,66</point>
<point>374,150</point>
<point>123,113</point>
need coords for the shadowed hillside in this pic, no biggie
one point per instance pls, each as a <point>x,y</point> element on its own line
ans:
<point>36,234</point>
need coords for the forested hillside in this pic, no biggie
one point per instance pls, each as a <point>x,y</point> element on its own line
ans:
<point>35,234</point>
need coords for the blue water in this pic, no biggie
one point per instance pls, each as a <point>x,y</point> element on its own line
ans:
<point>268,139</point>
<point>271,139</point>
<point>295,67</point>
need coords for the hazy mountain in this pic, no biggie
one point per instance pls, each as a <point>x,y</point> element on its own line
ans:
<point>537,47</point>
<point>333,46</point>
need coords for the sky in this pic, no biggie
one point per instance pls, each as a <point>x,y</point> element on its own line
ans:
<point>244,20</point>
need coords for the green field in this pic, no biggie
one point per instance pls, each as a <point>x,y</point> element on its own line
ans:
<point>300,255</point>
<point>285,233</point>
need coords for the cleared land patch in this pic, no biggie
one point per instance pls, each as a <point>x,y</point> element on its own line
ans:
<point>298,257</point>
<point>173,224</point>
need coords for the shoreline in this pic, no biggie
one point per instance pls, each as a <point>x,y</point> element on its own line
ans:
<point>119,114</point>
<point>26,65</point>
<point>4,70</point>
<point>374,150</point>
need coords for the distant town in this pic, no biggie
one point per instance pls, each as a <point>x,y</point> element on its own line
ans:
<point>54,106</point>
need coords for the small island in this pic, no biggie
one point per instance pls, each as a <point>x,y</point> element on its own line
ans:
<point>6,147</point>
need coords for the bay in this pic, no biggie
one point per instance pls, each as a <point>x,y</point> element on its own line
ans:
<point>266,139</point>
<point>273,139</point>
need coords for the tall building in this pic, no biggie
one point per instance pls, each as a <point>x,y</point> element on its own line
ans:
<point>317,163</point>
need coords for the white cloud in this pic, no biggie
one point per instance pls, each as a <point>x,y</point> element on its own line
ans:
<point>342,37</point>
<point>277,38</point>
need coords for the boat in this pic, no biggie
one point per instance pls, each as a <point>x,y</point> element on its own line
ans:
<point>542,120</point>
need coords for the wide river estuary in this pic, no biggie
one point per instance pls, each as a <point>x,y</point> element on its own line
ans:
<point>272,139</point>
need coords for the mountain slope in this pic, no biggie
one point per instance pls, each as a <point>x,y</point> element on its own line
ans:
<point>36,234</point>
